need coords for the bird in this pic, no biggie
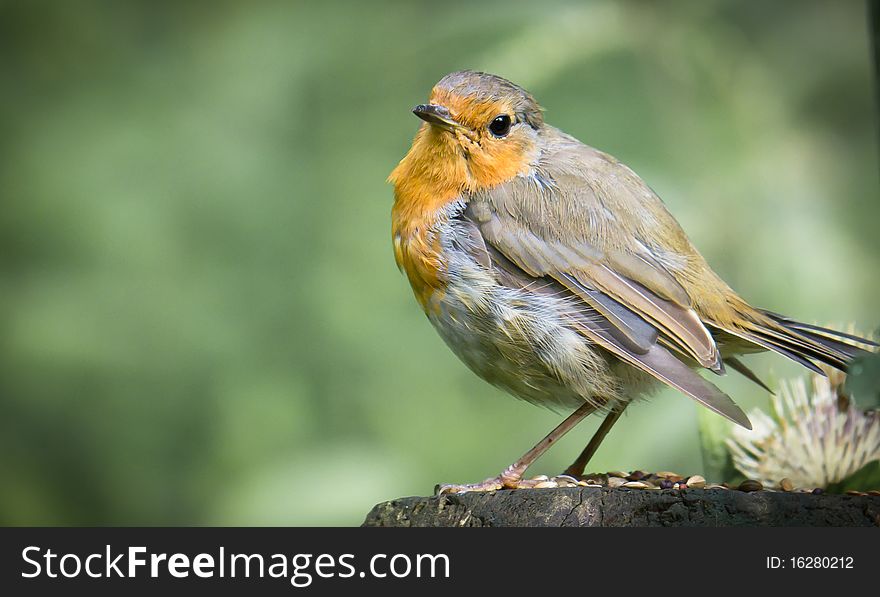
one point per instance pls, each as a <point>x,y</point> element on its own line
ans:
<point>554,272</point>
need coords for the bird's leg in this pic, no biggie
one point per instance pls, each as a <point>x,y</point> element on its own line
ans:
<point>512,476</point>
<point>577,467</point>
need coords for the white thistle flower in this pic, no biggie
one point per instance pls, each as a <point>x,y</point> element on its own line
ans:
<point>815,439</point>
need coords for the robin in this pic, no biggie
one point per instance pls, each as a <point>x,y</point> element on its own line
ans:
<point>555,273</point>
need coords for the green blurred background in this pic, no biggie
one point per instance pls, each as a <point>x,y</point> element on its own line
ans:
<point>201,321</point>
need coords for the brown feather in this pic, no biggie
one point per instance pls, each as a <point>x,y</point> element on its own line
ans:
<point>665,367</point>
<point>640,333</point>
<point>849,339</point>
<point>741,368</point>
<point>681,325</point>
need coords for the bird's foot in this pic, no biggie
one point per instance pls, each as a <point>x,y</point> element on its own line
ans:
<point>491,484</point>
<point>503,482</point>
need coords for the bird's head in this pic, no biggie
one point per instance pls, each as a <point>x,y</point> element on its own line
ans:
<point>480,130</point>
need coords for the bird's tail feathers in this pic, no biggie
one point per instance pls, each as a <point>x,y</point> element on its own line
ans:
<point>806,344</point>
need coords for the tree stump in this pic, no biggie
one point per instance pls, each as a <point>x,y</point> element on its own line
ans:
<point>606,507</point>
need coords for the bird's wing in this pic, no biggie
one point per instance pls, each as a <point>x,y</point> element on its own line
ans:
<point>618,313</point>
<point>595,227</point>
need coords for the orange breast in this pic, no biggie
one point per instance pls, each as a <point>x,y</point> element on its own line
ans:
<point>422,261</point>
<point>434,173</point>
<point>430,177</point>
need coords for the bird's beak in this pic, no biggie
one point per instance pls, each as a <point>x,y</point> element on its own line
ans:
<point>435,115</point>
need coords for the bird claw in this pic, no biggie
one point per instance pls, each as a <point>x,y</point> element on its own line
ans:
<point>500,482</point>
<point>491,484</point>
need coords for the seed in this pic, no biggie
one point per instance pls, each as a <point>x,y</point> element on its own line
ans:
<point>546,484</point>
<point>637,485</point>
<point>750,485</point>
<point>874,492</point>
<point>666,484</point>
<point>637,475</point>
<point>854,492</point>
<point>616,481</point>
<point>696,482</point>
<point>715,486</point>
<point>818,491</point>
<point>786,484</point>
<point>564,477</point>
<point>541,478</point>
<point>665,474</point>
<point>620,474</point>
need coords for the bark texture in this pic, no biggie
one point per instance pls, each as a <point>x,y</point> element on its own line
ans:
<point>604,507</point>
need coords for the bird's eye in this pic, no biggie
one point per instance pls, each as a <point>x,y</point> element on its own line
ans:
<point>500,125</point>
